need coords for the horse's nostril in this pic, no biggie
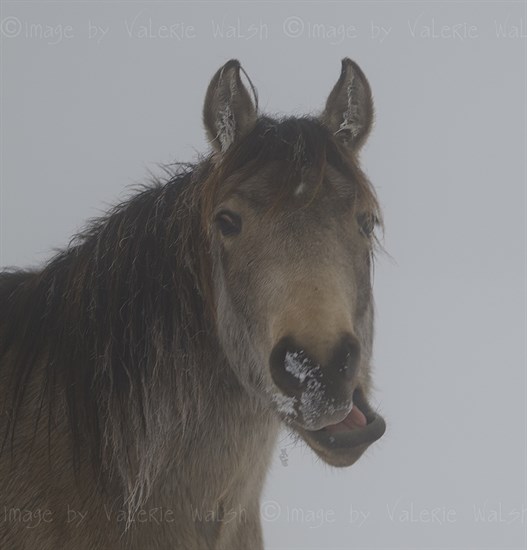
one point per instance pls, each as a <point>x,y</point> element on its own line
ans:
<point>290,366</point>
<point>348,370</point>
<point>346,357</point>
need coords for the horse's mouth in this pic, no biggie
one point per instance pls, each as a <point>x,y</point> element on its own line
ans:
<point>343,443</point>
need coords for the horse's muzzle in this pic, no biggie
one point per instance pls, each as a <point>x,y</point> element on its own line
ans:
<point>327,405</point>
<point>322,394</point>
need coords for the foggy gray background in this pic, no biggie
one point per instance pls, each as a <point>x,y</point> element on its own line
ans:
<point>84,116</point>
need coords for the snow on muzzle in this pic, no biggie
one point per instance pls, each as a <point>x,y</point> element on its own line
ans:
<point>315,396</point>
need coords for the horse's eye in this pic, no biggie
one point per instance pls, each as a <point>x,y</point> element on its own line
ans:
<point>229,223</point>
<point>367,223</point>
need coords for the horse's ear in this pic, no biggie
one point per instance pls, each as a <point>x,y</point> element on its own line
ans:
<point>349,107</point>
<point>229,112</point>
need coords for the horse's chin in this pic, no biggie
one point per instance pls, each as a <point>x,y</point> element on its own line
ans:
<point>344,443</point>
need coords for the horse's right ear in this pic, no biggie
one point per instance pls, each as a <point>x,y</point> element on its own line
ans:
<point>349,107</point>
<point>229,112</point>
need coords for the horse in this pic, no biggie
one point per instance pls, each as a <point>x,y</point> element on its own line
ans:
<point>147,368</point>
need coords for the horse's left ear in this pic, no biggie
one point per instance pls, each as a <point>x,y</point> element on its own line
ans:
<point>229,112</point>
<point>349,107</point>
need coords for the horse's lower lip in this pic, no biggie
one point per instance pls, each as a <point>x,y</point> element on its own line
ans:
<point>343,448</point>
<point>352,438</point>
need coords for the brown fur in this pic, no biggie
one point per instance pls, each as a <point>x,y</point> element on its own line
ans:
<point>135,386</point>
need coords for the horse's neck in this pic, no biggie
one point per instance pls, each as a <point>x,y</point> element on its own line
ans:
<point>237,435</point>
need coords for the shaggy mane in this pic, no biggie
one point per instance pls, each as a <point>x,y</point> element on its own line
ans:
<point>114,321</point>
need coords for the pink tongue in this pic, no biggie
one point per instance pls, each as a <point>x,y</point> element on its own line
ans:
<point>355,418</point>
